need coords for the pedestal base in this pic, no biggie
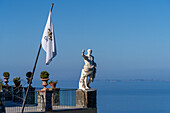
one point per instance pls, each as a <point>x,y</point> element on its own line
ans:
<point>30,96</point>
<point>2,102</point>
<point>86,98</point>
<point>18,94</point>
<point>8,92</point>
<point>55,96</point>
<point>44,100</point>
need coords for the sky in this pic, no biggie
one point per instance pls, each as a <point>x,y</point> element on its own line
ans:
<point>130,39</point>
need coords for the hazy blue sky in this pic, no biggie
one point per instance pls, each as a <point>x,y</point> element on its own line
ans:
<point>129,38</point>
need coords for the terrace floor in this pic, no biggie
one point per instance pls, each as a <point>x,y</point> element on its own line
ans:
<point>12,107</point>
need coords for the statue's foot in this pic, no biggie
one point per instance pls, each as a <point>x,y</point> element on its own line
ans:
<point>82,89</point>
<point>87,87</point>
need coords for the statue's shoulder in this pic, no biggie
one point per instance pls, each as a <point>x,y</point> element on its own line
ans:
<point>85,57</point>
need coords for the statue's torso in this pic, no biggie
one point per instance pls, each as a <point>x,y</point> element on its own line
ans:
<point>89,63</point>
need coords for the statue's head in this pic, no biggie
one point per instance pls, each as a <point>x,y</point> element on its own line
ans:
<point>89,51</point>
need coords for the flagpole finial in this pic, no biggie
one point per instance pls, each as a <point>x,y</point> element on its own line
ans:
<point>52,7</point>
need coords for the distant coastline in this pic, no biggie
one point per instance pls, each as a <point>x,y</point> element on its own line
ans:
<point>138,80</point>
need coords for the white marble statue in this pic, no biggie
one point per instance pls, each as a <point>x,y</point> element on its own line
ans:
<point>89,70</point>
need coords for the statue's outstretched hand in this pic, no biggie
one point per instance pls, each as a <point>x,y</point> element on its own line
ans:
<point>83,51</point>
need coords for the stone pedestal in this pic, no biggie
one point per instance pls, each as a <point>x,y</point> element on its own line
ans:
<point>2,102</point>
<point>55,96</point>
<point>86,98</point>
<point>44,100</point>
<point>30,96</point>
<point>18,94</point>
<point>8,92</point>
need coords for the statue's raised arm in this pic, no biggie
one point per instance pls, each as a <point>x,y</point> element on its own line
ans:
<point>85,58</point>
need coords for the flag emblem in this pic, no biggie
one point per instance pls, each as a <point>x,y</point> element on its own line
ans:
<point>49,37</point>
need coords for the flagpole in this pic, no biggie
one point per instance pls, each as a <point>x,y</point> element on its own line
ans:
<point>23,105</point>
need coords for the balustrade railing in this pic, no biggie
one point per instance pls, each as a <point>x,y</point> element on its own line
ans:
<point>12,98</point>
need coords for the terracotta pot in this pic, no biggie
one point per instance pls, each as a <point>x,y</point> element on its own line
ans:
<point>53,85</point>
<point>17,83</point>
<point>44,83</point>
<point>6,80</point>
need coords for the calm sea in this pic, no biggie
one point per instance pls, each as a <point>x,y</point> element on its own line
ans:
<point>128,97</point>
<point>133,97</point>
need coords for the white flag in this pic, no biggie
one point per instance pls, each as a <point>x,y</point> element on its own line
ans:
<point>48,40</point>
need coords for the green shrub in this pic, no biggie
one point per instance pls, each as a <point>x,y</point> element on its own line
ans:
<point>6,74</point>
<point>16,80</point>
<point>28,74</point>
<point>44,74</point>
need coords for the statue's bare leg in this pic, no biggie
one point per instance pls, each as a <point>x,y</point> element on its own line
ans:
<point>88,84</point>
<point>85,82</point>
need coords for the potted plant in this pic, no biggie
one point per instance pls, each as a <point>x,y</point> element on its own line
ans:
<point>28,75</point>
<point>6,77</point>
<point>44,77</point>
<point>53,84</point>
<point>17,81</point>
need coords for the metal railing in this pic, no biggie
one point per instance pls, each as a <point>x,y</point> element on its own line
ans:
<point>14,96</point>
<point>67,97</point>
